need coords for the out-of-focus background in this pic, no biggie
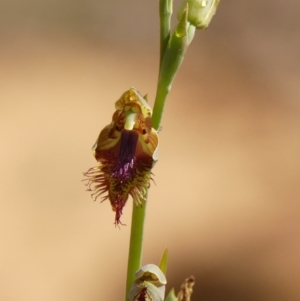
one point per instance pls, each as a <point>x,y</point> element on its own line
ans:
<point>226,199</point>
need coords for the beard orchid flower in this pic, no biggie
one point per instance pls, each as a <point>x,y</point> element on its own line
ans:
<point>126,150</point>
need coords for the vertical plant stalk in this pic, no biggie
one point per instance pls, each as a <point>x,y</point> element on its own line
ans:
<point>139,213</point>
<point>172,51</point>
<point>171,60</point>
<point>165,13</point>
<point>136,244</point>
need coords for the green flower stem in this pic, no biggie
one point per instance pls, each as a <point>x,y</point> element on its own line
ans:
<point>165,13</point>
<point>136,244</point>
<point>172,59</point>
<point>161,96</point>
<point>172,53</point>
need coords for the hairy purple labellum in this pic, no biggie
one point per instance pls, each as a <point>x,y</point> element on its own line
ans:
<point>126,150</point>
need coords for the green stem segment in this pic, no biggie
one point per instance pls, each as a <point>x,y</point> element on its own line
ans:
<point>170,62</point>
<point>165,13</point>
<point>136,244</point>
<point>172,52</point>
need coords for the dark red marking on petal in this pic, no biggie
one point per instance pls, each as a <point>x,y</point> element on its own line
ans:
<point>143,294</point>
<point>124,169</point>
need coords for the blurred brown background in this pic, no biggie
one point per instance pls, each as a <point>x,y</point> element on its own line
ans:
<point>226,199</point>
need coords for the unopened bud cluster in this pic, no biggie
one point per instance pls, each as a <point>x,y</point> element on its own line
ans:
<point>200,12</point>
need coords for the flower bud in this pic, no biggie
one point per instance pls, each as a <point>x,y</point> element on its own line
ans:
<point>149,285</point>
<point>200,12</point>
